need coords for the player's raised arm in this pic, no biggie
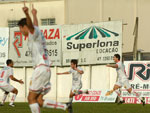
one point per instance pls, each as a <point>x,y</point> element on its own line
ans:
<point>63,73</point>
<point>29,21</point>
<point>34,13</point>
<point>16,80</point>
<point>113,66</point>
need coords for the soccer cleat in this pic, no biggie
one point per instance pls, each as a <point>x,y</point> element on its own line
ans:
<point>109,93</point>
<point>69,107</point>
<point>143,101</point>
<point>12,105</point>
<point>121,102</point>
<point>87,92</point>
<point>1,104</point>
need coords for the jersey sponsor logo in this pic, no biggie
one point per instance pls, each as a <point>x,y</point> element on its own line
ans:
<point>75,79</point>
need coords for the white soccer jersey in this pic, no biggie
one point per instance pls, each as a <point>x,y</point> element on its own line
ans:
<point>5,73</point>
<point>121,71</point>
<point>37,45</point>
<point>76,77</point>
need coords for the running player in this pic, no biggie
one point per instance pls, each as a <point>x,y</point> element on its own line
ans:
<point>40,81</point>
<point>122,80</point>
<point>76,72</point>
<point>5,74</point>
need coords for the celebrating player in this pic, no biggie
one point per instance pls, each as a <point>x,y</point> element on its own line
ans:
<point>76,80</point>
<point>5,74</point>
<point>40,81</point>
<point>122,80</point>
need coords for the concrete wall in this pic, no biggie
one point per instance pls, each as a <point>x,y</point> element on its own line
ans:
<point>94,77</point>
<point>85,11</point>
<point>49,9</point>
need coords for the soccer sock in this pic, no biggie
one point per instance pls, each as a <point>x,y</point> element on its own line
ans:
<point>53,104</point>
<point>79,92</point>
<point>84,91</point>
<point>70,100</point>
<point>13,98</point>
<point>35,108</point>
<point>4,98</point>
<point>119,94</point>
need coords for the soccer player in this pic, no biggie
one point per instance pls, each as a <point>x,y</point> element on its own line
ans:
<point>5,74</point>
<point>40,81</point>
<point>76,72</point>
<point>122,80</point>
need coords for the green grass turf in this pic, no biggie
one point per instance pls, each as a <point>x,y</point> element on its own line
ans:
<point>82,108</point>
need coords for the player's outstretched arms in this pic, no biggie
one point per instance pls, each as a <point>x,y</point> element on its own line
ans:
<point>34,13</point>
<point>113,66</point>
<point>29,21</point>
<point>63,73</point>
<point>16,80</point>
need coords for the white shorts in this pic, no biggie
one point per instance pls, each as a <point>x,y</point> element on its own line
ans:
<point>124,83</point>
<point>6,87</point>
<point>40,80</point>
<point>76,88</point>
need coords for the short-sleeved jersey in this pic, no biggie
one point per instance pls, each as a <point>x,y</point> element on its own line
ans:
<point>5,73</point>
<point>37,45</point>
<point>121,71</point>
<point>76,76</point>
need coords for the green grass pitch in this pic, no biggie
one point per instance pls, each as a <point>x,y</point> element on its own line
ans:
<point>82,108</point>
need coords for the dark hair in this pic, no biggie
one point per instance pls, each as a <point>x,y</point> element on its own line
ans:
<point>9,61</point>
<point>74,61</point>
<point>117,56</point>
<point>22,22</point>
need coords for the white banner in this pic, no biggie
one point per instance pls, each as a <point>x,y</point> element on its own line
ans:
<point>96,96</point>
<point>4,38</point>
<point>92,43</point>
<point>20,53</point>
<point>139,77</point>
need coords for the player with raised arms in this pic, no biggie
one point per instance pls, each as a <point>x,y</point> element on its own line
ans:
<point>76,72</point>
<point>5,75</point>
<point>40,80</point>
<point>122,80</point>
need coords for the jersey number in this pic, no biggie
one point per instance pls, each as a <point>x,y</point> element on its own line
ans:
<point>2,74</point>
